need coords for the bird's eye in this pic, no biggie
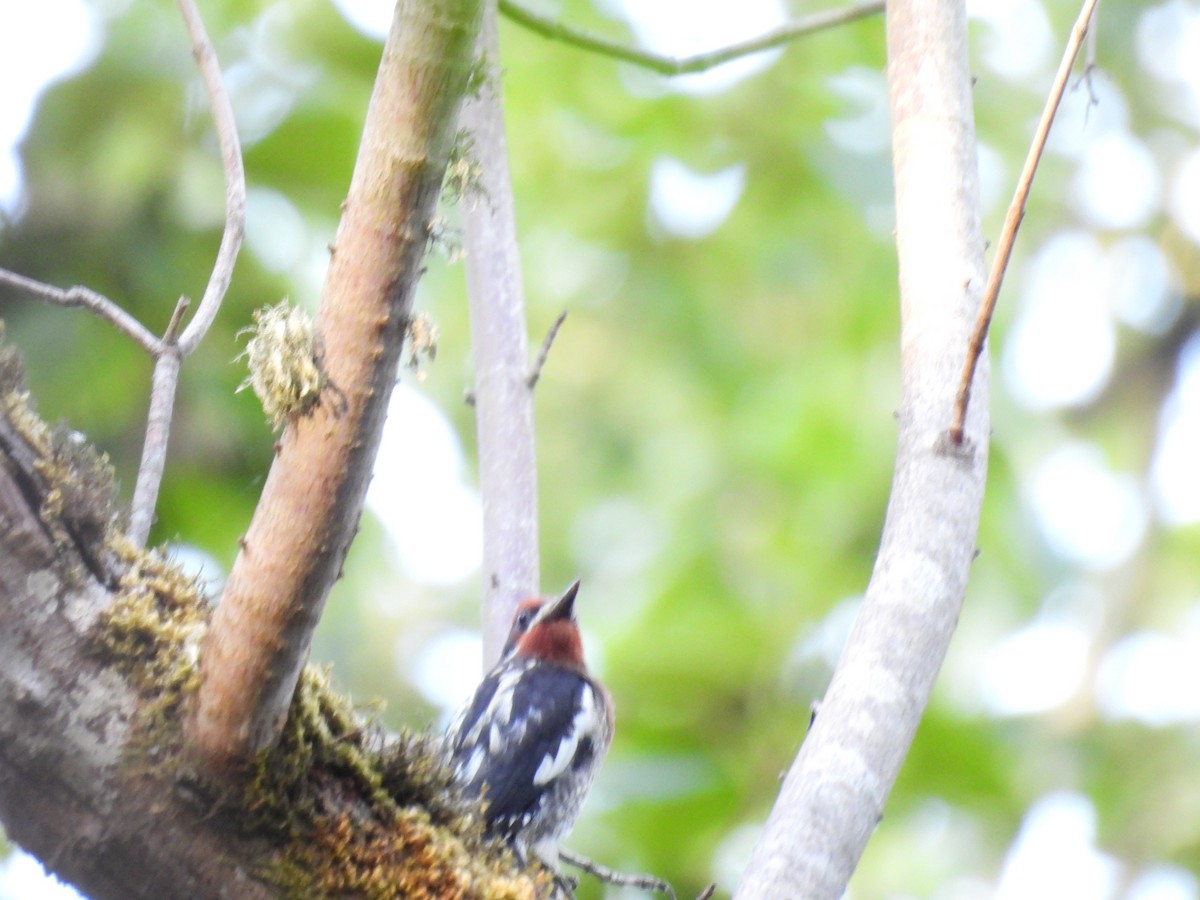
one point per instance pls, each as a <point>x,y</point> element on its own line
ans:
<point>524,617</point>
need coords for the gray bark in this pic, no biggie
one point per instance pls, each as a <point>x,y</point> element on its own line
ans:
<point>503,397</point>
<point>834,794</point>
<point>69,717</point>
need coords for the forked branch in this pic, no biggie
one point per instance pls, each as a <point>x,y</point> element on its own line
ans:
<point>172,348</point>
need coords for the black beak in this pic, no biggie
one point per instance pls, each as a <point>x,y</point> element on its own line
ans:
<point>560,607</point>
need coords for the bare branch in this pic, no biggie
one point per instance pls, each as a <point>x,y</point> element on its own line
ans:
<point>158,430</point>
<point>834,794</point>
<point>89,299</point>
<point>171,352</point>
<point>535,373</point>
<point>310,507</point>
<point>671,65</point>
<point>235,180</point>
<point>154,447</point>
<point>619,879</point>
<point>503,400</point>
<point>1012,220</point>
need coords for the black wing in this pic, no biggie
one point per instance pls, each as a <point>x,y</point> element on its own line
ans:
<point>544,712</point>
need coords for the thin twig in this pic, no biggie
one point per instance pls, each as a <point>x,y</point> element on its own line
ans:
<point>172,332</point>
<point>670,65</point>
<point>536,372</point>
<point>612,876</point>
<point>175,347</point>
<point>85,297</point>
<point>170,350</point>
<point>1012,222</point>
<point>235,179</point>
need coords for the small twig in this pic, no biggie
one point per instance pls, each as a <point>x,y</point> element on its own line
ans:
<point>536,372</point>
<point>85,297</point>
<point>235,179</point>
<point>612,876</point>
<point>671,65</point>
<point>172,331</point>
<point>1012,222</point>
<point>1089,61</point>
<point>170,350</point>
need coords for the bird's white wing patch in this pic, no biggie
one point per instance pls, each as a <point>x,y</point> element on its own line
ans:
<point>585,724</point>
<point>501,707</point>
<point>470,768</point>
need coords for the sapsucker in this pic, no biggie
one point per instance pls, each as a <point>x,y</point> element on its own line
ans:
<point>531,739</point>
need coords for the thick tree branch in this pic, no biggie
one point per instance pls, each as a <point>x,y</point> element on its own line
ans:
<point>69,725</point>
<point>312,500</point>
<point>700,62</point>
<point>97,660</point>
<point>833,796</point>
<point>503,396</point>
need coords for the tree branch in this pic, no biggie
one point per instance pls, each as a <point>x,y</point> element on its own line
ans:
<point>503,397</point>
<point>833,796</point>
<point>1012,221</point>
<point>172,351</point>
<point>235,180</point>
<point>535,371</point>
<point>97,660</point>
<point>671,65</point>
<point>312,500</point>
<point>81,296</point>
<point>69,789</point>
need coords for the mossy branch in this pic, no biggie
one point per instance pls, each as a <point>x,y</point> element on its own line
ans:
<point>310,506</point>
<point>98,644</point>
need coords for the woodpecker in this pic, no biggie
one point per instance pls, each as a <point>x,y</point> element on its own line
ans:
<point>528,744</point>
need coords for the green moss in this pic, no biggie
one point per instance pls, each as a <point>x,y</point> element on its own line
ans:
<point>151,632</point>
<point>348,810</point>
<point>74,481</point>
<point>283,355</point>
<point>368,815</point>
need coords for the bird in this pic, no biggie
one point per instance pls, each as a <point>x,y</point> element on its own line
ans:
<point>529,742</point>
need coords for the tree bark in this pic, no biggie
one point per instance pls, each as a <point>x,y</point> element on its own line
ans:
<point>69,720</point>
<point>311,503</point>
<point>503,396</point>
<point>97,658</point>
<point>834,794</point>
